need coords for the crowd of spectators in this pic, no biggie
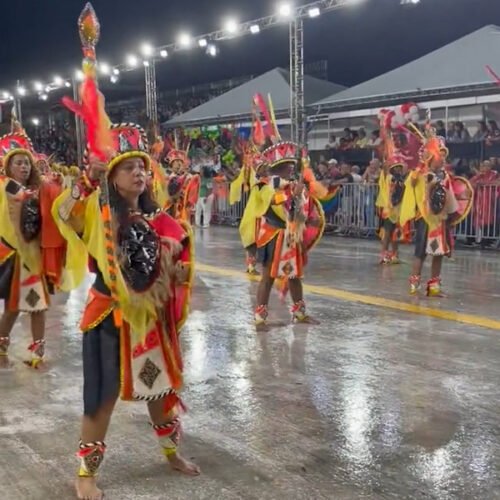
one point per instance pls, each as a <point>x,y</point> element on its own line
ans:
<point>352,139</point>
<point>457,133</point>
<point>58,142</point>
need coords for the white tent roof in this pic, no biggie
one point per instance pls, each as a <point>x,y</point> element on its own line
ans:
<point>237,102</point>
<point>458,65</point>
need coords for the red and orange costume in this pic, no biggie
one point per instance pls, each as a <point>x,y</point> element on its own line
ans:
<point>391,191</point>
<point>287,226</point>
<point>31,248</point>
<point>435,201</point>
<point>142,260</point>
<point>182,186</point>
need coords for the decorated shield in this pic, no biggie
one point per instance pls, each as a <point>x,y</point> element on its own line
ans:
<point>437,198</point>
<point>314,233</point>
<point>397,190</point>
<point>139,254</point>
<point>31,219</point>
<point>464,193</point>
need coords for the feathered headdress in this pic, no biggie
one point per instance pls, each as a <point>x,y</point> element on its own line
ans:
<point>179,148</point>
<point>265,130</point>
<point>16,142</point>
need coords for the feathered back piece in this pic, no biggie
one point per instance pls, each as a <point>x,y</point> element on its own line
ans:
<point>392,156</point>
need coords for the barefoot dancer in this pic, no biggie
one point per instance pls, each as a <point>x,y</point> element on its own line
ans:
<point>26,267</point>
<point>138,302</point>
<point>141,359</point>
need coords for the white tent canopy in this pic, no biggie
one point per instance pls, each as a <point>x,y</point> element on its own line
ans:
<point>236,104</point>
<point>455,70</point>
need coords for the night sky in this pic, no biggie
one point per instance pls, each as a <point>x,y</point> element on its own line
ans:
<point>359,42</point>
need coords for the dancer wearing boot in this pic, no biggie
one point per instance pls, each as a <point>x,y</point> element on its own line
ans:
<point>182,186</point>
<point>31,248</point>
<point>290,223</point>
<point>391,190</point>
<point>436,202</point>
<point>142,259</point>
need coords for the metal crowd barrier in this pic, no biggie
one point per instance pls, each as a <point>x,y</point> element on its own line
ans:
<point>482,226</point>
<point>222,212</point>
<point>354,213</point>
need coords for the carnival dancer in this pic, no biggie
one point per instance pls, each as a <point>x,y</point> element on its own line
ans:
<point>139,358</point>
<point>290,224</point>
<point>436,201</point>
<point>182,185</point>
<point>31,248</point>
<point>139,299</point>
<point>391,190</point>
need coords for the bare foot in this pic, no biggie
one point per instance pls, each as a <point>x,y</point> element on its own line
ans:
<point>86,489</point>
<point>180,464</point>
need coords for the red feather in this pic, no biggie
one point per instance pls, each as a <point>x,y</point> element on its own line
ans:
<point>261,103</point>
<point>91,111</point>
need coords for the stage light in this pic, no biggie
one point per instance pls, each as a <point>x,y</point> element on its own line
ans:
<point>44,97</point>
<point>58,81</point>
<point>202,42</point>
<point>232,26</point>
<point>79,75</point>
<point>146,64</point>
<point>212,50</point>
<point>147,50</point>
<point>67,84</point>
<point>132,60</point>
<point>21,91</point>
<point>47,89</point>
<point>116,71</point>
<point>104,68</point>
<point>285,10</point>
<point>38,86</point>
<point>254,29</point>
<point>410,2</point>
<point>314,12</point>
<point>35,121</point>
<point>113,79</point>
<point>6,95</point>
<point>163,53</point>
<point>185,40</point>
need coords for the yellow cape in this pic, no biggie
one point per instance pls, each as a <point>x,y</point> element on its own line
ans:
<point>29,253</point>
<point>244,177</point>
<point>259,202</point>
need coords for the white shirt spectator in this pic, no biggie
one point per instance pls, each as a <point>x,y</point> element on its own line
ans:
<point>357,179</point>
